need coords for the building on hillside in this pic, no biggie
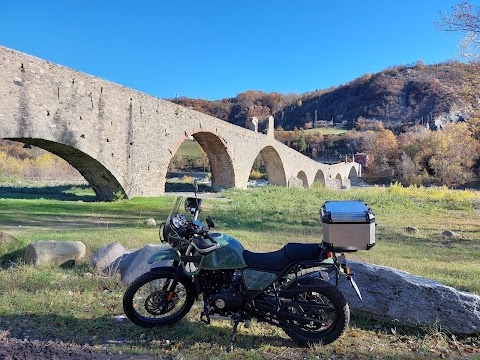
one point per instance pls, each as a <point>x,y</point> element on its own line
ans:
<point>363,158</point>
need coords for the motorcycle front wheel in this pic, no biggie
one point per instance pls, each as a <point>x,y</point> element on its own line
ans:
<point>327,306</point>
<point>146,301</point>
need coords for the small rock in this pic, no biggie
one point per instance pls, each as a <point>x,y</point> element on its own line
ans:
<point>150,222</point>
<point>448,233</point>
<point>412,230</point>
<point>119,318</point>
<point>6,238</point>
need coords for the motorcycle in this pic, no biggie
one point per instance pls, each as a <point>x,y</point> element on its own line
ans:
<point>294,288</point>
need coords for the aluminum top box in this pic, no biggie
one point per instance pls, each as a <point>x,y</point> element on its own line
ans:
<point>348,226</point>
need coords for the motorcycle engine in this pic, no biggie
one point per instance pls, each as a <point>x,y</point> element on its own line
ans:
<point>228,300</point>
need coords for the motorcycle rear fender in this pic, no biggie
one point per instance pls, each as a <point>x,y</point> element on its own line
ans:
<point>162,255</point>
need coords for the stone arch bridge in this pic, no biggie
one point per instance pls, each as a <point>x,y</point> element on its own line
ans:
<point>123,140</point>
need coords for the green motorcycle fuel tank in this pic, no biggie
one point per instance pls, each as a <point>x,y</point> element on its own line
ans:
<point>228,256</point>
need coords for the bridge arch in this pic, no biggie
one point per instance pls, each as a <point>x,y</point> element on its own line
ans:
<point>274,165</point>
<point>100,179</point>
<point>319,178</point>
<point>221,164</point>
<point>353,175</point>
<point>302,176</point>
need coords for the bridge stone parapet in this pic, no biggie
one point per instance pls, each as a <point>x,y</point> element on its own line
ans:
<point>122,140</point>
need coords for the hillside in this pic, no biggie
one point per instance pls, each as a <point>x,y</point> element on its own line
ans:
<point>400,95</point>
<point>242,107</point>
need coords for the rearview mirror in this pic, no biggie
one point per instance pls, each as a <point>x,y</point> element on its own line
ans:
<point>210,222</point>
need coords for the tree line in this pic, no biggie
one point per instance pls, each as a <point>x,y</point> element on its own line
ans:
<point>419,156</point>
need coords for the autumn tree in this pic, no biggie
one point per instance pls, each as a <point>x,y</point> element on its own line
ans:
<point>412,165</point>
<point>474,125</point>
<point>454,152</point>
<point>308,125</point>
<point>383,147</point>
<point>444,157</point>
<point>363,124</point>
<point>301,144</point>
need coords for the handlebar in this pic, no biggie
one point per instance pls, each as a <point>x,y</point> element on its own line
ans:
<point>172,238</point>
<point>210,237</point>
<point>198,228</point>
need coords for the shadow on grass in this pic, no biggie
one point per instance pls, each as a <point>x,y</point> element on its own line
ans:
<point>107,331</point>
<point>67,192</point>
<point>422,241</point>
<point>187,337</point>
<point>186,188</point>
<point>11,258</point>
<point>73,221</point>
<point>58,192</point>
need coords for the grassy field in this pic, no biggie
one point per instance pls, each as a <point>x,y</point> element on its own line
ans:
<point>189,148</point>
<point>78,306</point>
<point>328,130</point>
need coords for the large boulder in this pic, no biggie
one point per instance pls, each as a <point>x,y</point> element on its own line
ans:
<point>130,264</point>
<point>394,295</point>
<point>135,264</point>
<point>51,252</point>
<point>107,258</point>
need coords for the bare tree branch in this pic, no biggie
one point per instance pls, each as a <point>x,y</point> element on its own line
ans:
<point>464,18</point>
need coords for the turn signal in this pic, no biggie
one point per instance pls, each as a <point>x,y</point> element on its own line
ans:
<point>347,270</point>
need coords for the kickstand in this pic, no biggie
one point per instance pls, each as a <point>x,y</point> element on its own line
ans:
<point>232,339</point>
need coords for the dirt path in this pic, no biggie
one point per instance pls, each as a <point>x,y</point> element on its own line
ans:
<point>16,349</point>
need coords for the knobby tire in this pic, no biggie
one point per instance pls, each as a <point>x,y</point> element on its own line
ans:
<point>142,299</point>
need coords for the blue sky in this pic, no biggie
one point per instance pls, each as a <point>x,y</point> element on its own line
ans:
<point>217,49</point>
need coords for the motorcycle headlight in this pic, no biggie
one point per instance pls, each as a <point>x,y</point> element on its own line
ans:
<point>177,222</point>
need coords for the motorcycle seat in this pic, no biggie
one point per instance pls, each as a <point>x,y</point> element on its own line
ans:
<point>278,260</point>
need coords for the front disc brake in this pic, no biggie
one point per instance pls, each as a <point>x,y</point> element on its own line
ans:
<point>157,303</point>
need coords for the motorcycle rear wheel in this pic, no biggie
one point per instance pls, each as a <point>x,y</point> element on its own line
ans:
<point>146,303</point>
<point>334,315</point>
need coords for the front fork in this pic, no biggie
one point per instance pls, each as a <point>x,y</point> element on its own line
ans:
<point>341,263</point>
<point>174,283</point>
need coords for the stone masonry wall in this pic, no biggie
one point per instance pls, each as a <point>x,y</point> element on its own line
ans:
<point>123,140</point>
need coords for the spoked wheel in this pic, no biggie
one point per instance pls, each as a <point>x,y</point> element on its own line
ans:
<point>149,301</point>
<point>322,315</point>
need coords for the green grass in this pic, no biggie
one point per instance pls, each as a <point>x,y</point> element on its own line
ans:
<point>328,130</point>
<point>189,148</point>
<point>76,305</point>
